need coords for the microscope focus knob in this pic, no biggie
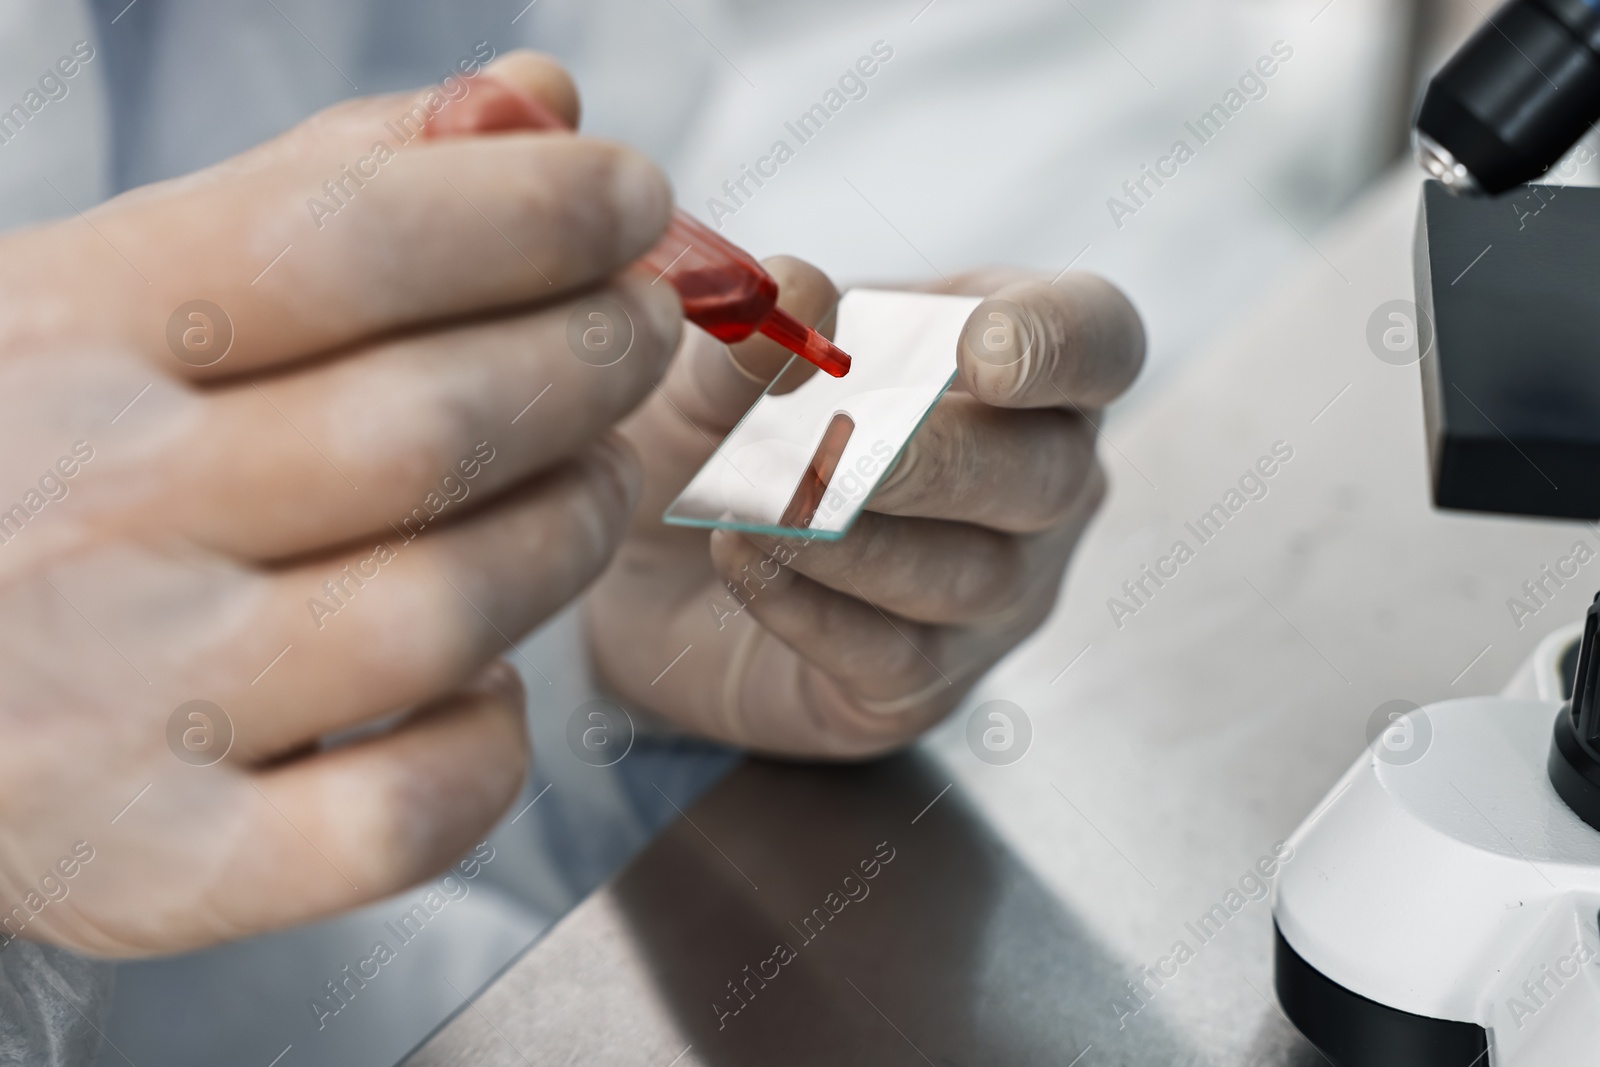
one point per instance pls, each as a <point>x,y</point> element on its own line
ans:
<point>1575,750</point>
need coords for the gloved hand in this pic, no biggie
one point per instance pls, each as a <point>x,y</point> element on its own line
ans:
<point>851,648</point>
<point>316,498</point>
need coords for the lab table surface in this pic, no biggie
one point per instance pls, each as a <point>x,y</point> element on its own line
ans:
<point>1172,747</point>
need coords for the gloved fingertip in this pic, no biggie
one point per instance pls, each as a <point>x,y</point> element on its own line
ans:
<point>543,77</point>
<point>501,679</point>
<point>999,351</point>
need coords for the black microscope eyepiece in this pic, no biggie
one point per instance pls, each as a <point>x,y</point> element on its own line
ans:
<point>1511,102</point>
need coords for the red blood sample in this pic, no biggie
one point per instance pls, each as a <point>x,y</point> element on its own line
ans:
<point>819,472</point>
<point>805,342</point>
<point>723,289</point>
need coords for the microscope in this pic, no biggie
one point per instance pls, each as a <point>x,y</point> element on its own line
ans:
<point>1443,909</point>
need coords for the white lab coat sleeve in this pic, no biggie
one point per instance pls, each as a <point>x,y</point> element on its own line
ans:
<point>53,161</point>
<point>53,1006</point>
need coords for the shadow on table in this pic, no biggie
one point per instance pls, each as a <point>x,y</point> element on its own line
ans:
<point>953,954</point>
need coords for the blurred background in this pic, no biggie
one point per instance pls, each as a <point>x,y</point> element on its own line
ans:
<point>991,131</point>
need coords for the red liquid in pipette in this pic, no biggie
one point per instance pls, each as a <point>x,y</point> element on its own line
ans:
<point>723,289</point>
<point>725,311</point>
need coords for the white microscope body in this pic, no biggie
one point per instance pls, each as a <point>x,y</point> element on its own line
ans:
<point>1442,905</point>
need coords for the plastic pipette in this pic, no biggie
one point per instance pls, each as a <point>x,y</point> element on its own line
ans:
<point>723,289</point>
